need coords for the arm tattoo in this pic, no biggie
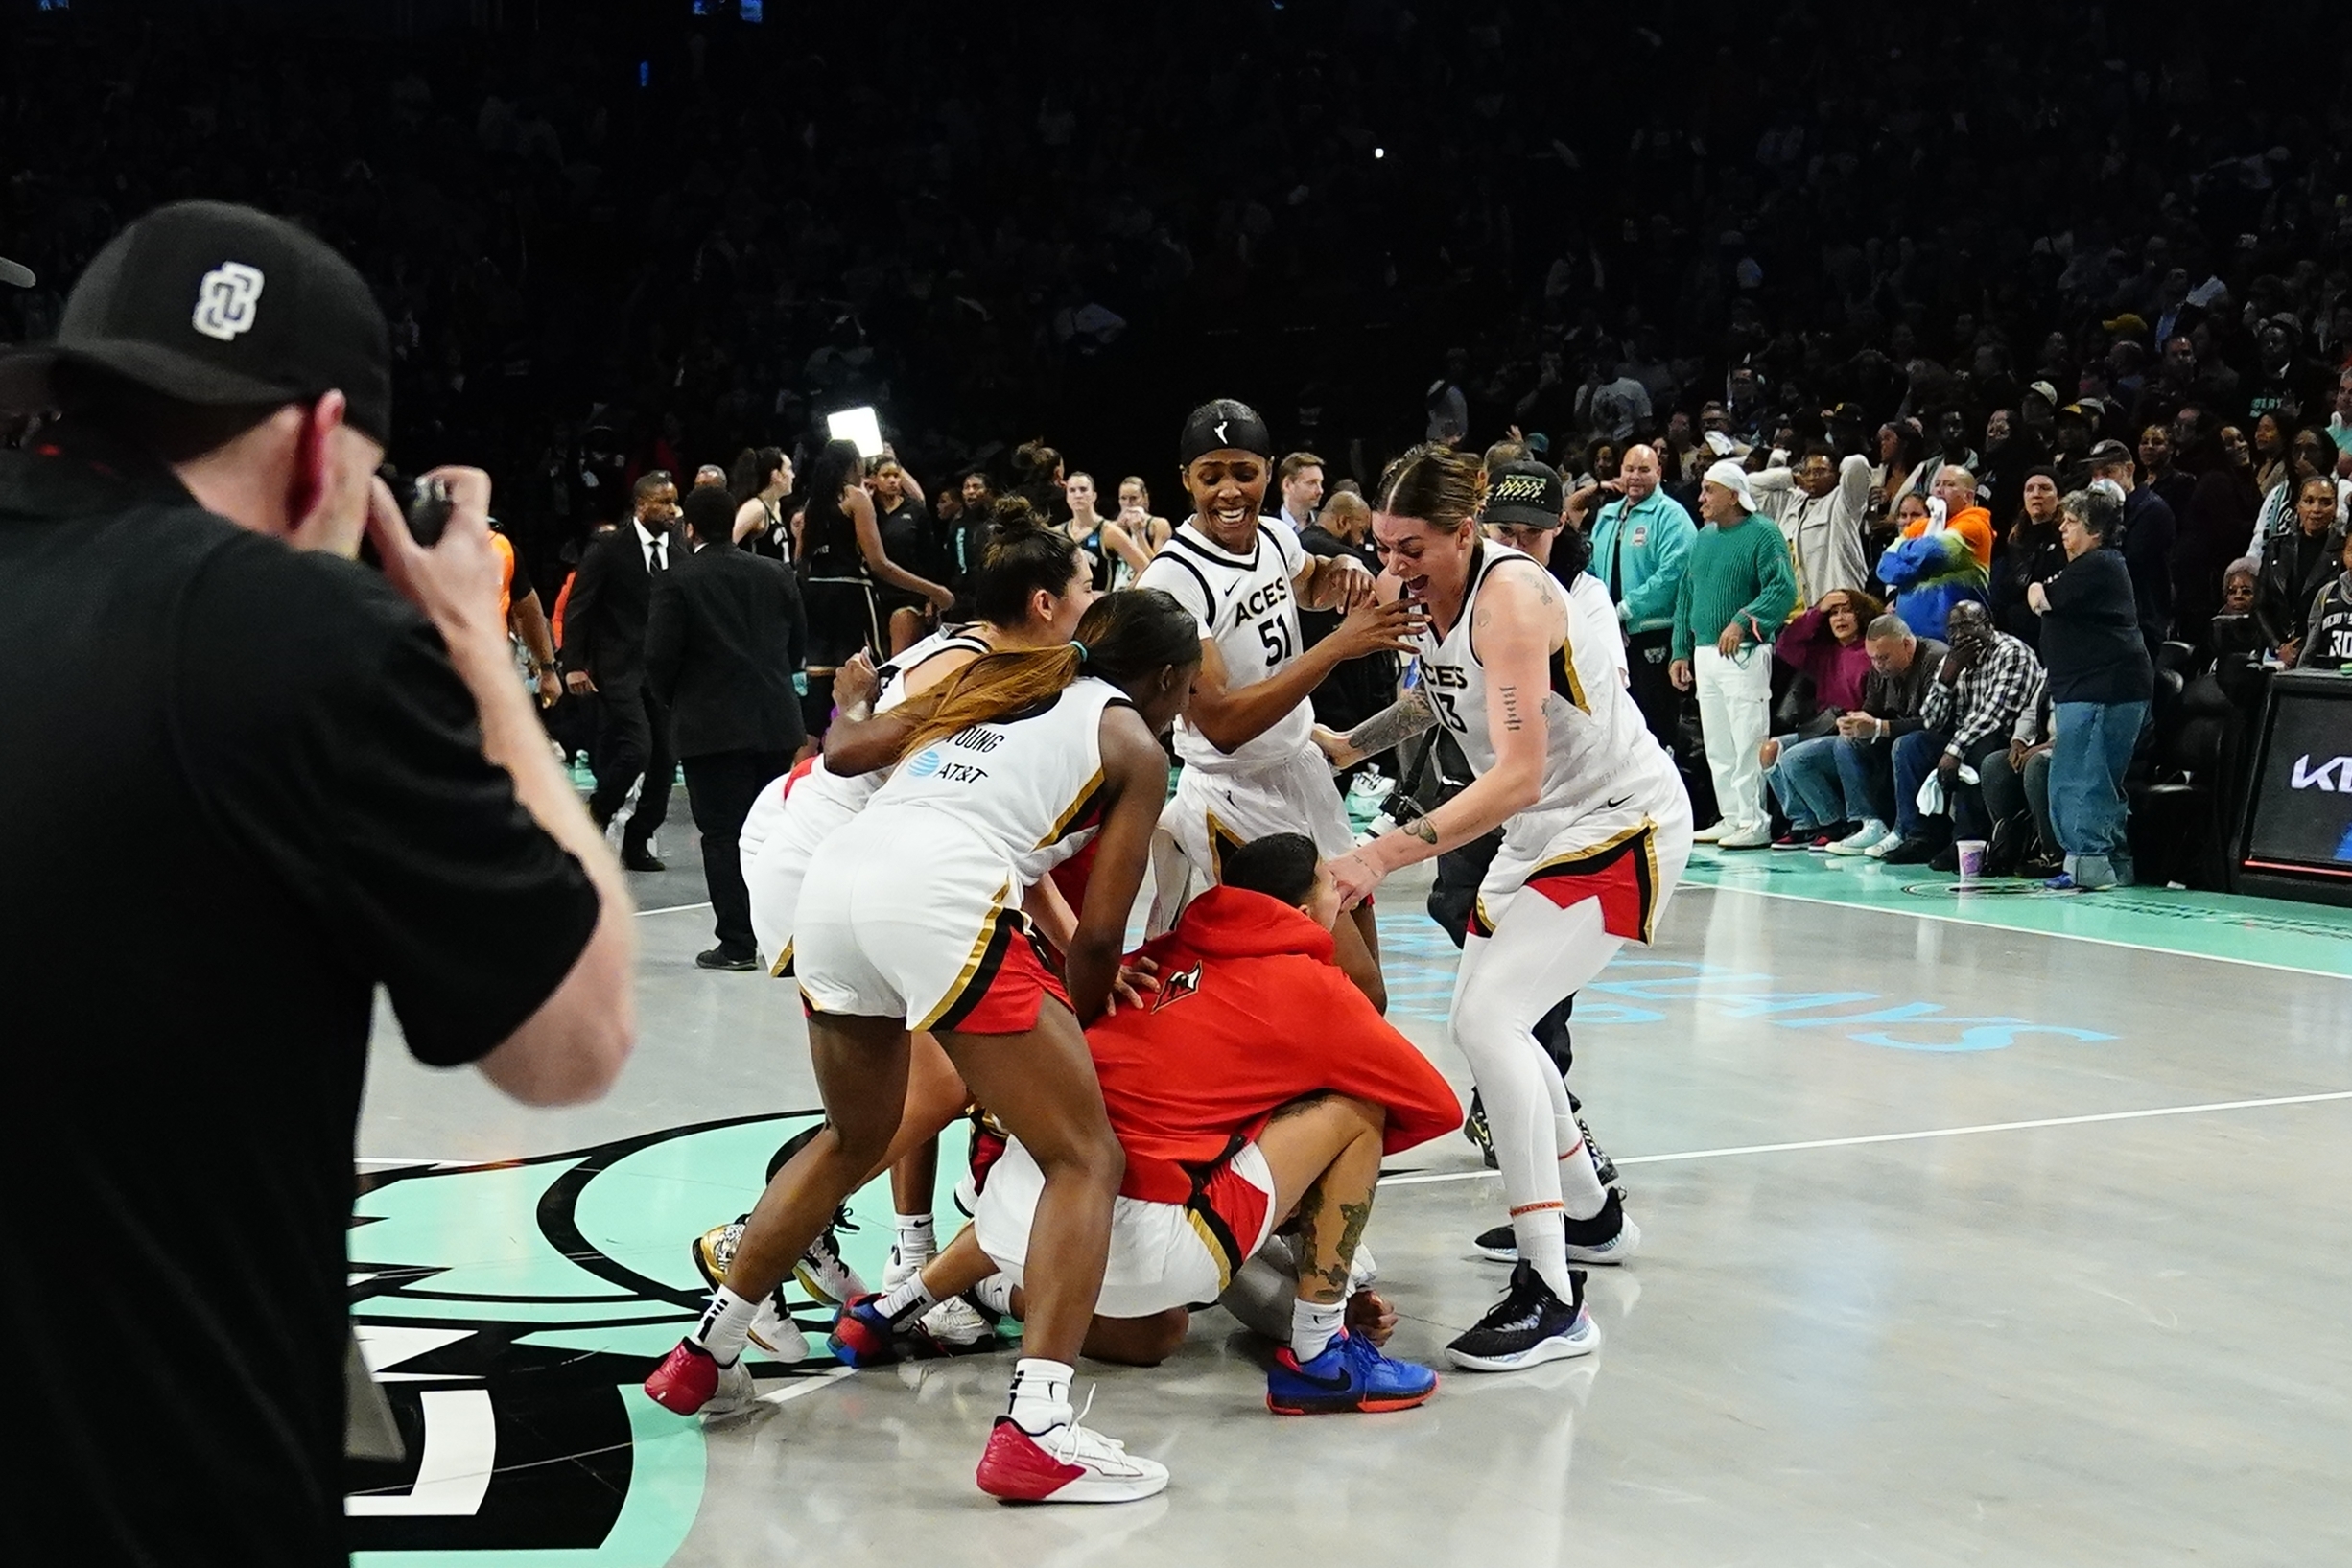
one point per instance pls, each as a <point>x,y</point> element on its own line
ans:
<point>1424,830</point>
<point>1409,715</point>
<point>1511,707</point>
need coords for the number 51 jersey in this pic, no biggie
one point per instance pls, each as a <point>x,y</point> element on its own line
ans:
<point>1245,605</point>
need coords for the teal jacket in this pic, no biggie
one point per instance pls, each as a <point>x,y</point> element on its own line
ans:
<point>1644,569</point>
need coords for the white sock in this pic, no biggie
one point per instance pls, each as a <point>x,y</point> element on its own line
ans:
<point>995,1293</point>
<point>726,1323</point>
<point>916,1242</point>
<point>1041,1396</point>
<point>1579,1185</point>
<point>1313,1325</point>
<point>912,1296</point>
<point>1544,1245</point>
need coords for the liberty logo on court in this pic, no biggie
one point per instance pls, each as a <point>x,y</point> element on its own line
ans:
<point>224,300</point>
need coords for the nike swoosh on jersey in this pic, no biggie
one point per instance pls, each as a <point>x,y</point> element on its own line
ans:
<point>1612,806</point>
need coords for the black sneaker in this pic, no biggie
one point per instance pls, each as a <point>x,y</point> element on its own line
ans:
<point>1528,1326</point>
<point>1500,1244</point>
<point>1609,1236</point>
<point>640,859</point>
<point>1475,1129</point>
<point>726,958</point>
<point>1603,1167</point>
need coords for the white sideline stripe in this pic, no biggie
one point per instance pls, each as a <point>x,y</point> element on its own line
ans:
<point>1421,1178</point>
<point>674,909</point>
<point>2012,930</point>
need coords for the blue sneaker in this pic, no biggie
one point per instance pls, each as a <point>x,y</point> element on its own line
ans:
<point>1350,1374</point>
<point>863,1335</point>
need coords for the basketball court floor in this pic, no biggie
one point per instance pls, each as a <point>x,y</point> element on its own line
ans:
<point>1986,1228</point>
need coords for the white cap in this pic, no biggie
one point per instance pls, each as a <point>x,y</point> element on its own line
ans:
<point>1734,479</point>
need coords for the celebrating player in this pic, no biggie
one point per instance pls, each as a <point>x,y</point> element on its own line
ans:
<point>1259,1086</point>
<point>1251,764</point>
<point>1029,589</point>
<point>1597,829</point>
<point>911,917</point>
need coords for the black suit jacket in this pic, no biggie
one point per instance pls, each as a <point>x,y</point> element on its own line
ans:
<point>604,620</point>
<point>725,635</point>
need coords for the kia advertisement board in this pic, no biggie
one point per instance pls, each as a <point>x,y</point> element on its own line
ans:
<point>2301,819</point>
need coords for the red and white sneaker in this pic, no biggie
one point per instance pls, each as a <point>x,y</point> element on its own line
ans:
<point>690,1382</point>
<point>1068,1464</point>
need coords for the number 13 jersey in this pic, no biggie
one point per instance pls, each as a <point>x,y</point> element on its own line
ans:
<point>1596,744</point>
<point>1245,605</point>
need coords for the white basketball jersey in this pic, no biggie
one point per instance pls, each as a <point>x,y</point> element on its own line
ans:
<point>848,796</point>
<point>1245,606</point>
<point>1031,786</point>
<point>1596,743</point>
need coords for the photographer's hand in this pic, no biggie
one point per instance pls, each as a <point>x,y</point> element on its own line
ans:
<point>454,583</point>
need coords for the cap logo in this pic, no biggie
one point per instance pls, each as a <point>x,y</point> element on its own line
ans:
<point>1517,487</point>
<point>1220,432</point>
<point>224,300</point>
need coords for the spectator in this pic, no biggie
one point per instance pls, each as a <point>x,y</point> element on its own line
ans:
<point>1956,488</point>
<point>1358,688</point>
<point>722,639</point>
<point>2076,428</point>
<point>603,658</point>
<point>2148,536</point>
<point>2220,513</point>
<point>2299,566</point>
<point>2159,476</point>
<point>1620,408</point>
<point>1639,545</point>
<point>1929,568</point>
<point>1447,405</point>
<point>320,780</point>
<point>1820,506</point>
<point>1894,698</point>
<point>1144,532</point>
<point>2309,452</point>
<point>907,538</point>
<point>2031,553</point>
<point>962,537</point>
<point>1902,469</point>
<point>1824,645</point>
<point>1300,479</point>
<point>2327,630</point>
<point>710,477</point>
<point>1735,596</point>
<point>762,479</point>
<point>2101,682</point>
<point>1987,679</point>
<point>2015,788</point>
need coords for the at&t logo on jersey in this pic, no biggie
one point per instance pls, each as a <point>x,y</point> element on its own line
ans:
<point>226,300</point>
<point>923,763</point>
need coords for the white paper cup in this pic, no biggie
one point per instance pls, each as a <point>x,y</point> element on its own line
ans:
<point>1971,854</point>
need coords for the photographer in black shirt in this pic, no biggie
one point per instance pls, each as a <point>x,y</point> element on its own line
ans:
<point>253,783</point>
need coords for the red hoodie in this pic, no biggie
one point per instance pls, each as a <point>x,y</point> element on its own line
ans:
<point>1252,1014</point>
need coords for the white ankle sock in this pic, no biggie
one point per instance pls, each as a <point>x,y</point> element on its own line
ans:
<point>726,1323</point>
<point>1544,1245</point>
<point>910,1297</point>
<point>917,1243</point>
<point>1313,1325</point>
<point>995,1293</point>
<point>1041,1396</point>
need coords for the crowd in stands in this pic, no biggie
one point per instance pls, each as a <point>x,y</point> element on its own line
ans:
<point>1924,287</point>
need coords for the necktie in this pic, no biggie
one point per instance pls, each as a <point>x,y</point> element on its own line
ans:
<point>657,558</point>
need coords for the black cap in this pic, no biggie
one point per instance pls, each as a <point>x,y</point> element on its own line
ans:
<point>1525,494</point>
<point>214,305</point>
<point>2110,450</point>
<point>1224,425</point>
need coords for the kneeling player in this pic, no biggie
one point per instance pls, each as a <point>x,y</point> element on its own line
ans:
<point>1256,1090</point>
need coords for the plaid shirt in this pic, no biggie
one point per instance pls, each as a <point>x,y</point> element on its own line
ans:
<point>1986,698</point>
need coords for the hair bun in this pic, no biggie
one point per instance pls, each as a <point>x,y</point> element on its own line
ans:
<point>1012,516</point>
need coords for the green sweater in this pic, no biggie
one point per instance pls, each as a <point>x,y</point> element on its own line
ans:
<point>1736,574</point>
